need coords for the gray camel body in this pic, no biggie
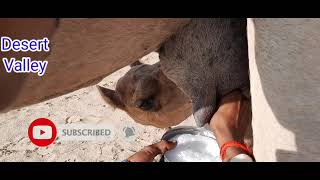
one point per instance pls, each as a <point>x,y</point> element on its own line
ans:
<point>207,59</point>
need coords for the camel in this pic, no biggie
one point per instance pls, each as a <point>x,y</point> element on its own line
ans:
<point>283,65</point>
<point>149,97</point>
<point>206,59</point>
<point>285,88</point>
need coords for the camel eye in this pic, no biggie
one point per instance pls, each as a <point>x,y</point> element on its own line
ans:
<point>145,104</point>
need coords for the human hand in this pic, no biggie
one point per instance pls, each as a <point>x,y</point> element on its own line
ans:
<point>148,153</point>
<point>231,121</point>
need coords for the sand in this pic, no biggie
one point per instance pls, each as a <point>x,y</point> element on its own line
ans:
<point>83,105</point>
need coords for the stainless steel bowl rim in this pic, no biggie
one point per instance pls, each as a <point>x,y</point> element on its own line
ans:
<point>188,130</point>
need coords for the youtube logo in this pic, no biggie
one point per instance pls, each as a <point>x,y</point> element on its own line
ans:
<point>42,132</point>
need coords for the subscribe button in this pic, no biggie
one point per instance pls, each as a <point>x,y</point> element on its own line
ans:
<point>42,132</point>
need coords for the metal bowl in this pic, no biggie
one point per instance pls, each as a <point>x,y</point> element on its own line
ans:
<point>169,135</point>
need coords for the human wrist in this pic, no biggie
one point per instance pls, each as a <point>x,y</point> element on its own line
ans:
<point>232,152</point>
<point>225,133</point>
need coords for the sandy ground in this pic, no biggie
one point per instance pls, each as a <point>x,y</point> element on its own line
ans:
<point>82,105</point>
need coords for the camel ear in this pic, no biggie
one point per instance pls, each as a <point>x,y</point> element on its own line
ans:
<point>111,97</point>
<point>135,63</point>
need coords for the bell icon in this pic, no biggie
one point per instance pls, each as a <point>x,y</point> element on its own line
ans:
<point>129,131</point>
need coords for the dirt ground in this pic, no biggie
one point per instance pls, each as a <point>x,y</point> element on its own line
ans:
<point>82,105</point>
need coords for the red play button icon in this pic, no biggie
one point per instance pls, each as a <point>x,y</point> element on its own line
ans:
<point>42,132</point>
